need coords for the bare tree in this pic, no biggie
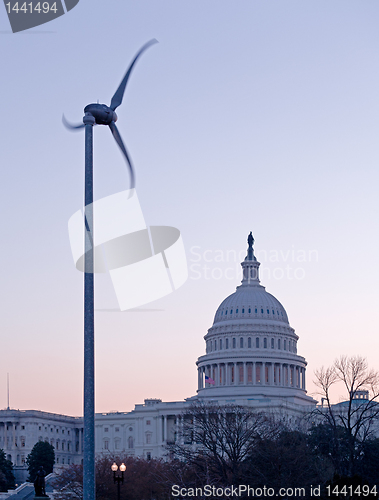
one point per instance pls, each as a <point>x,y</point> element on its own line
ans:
<point>355,420</point>
<point>216,440</point>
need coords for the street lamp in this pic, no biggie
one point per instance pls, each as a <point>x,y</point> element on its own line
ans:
<point>118,479</point>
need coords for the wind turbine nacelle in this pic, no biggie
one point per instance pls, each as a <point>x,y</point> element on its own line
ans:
<point>103,114</point>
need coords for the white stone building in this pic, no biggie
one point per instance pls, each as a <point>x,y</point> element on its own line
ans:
<point>251,359</point>
<point>21,430</point>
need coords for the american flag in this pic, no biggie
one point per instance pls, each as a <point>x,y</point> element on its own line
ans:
<point>209,380</point>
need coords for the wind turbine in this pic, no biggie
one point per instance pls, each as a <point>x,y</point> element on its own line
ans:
<point>95,114</point>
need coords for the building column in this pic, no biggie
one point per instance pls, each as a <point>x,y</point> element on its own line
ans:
<point>304,379</point>
<point>165,429</point>
<point>181,426</point>
<point>194,431</point>
<point>80,441</point>
<point>281,374</point>
<point>254,374</point>
<point>159,430</point>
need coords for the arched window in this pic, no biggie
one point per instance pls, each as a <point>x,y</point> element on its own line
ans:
<point>272,343</point>
<point>234,343</point>
<point>215,345</point>
<point>106,444</point>
<point>265,343</point>
<point>226,343</point>
<point>148,438</point>
<point>220,344</point>
<point>236,311</point>
<point>249,342</point>
<point>249,310</point>
<point>279,347</point>
<point>256,310</point>
<point>130,442</point>
<point>285,345</point>
<point>243,311</point>
<point>257,342</point>
<point>241,343</point>
<point>262,311</point>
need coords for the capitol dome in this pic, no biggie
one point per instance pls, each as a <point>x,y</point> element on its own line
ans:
<point>251,349</point>
<point>251,302</point>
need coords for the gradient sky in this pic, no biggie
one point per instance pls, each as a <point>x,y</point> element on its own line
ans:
<point>253,115</point>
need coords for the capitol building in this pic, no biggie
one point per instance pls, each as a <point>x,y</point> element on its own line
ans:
<point>251,359</point>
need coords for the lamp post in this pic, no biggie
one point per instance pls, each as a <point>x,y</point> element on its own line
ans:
<point>118,479</point>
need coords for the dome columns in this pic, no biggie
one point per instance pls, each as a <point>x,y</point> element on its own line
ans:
<point>256,373</point>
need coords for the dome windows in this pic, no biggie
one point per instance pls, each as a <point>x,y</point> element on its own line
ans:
<point>265,343</point>
<point>243,311</point>
<point>236,311</point>
<point>272,343</point>
<point>257,342</point>
<point>241,343</point>
<point>279,342</point>
<point>268,311</point>
<point>249,310</point>
<point>249,342</point>
<point>220,344</point>
<point>256,311</point>
<point>234,343</point>
<point>285,344</point>
<point>226,343</point>
<point>262,310</point>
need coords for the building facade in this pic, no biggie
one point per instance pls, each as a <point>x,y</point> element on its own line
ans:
<point>21,430</point>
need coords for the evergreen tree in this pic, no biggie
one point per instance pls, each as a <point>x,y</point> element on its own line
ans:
<point>7,480</point>
<point>43,455</point>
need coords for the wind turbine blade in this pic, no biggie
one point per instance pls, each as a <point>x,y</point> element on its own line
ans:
<point>116,135</point>
<point>119,94</point>
<point>70,126</point>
